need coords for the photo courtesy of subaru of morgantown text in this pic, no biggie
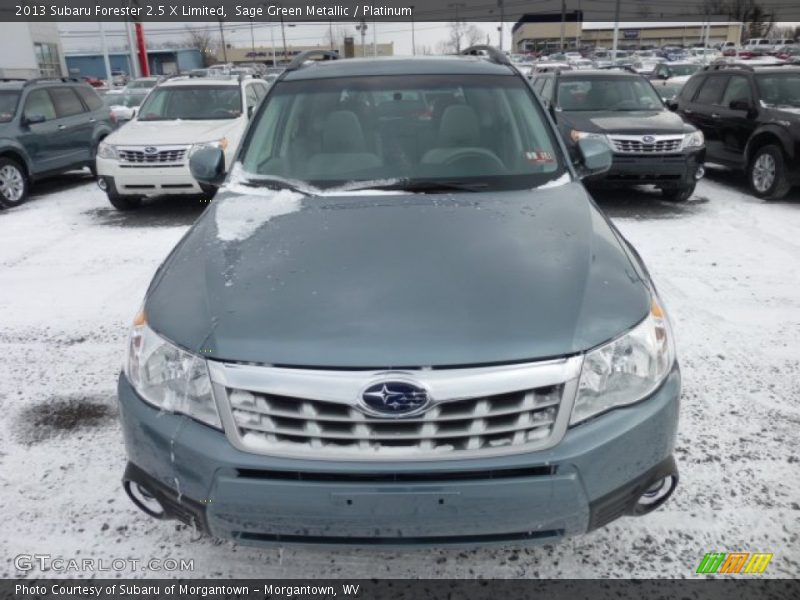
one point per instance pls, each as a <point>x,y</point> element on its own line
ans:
<point>481,292</point>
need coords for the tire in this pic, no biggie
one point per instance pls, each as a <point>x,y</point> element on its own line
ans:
<point>766,173</point>
<point>119,201</point>
<point>678,194</point>
<point>14,184</point>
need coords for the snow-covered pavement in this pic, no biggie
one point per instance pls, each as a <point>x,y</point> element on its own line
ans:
<point>73,272</point>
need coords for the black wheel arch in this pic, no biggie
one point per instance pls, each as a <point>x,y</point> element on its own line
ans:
<point>20,156</point>
<point>769,135</point>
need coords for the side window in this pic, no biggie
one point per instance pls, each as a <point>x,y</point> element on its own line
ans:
<point>250,96</point>
<point>90,97</point>
<point>66,101</point>
<point>261,90</point>
<point>711,90</point>
<point>547,89</point>
<point>738,89</point>
<point>39,103</point>
<point>688,91</point>
<point>538,82</point>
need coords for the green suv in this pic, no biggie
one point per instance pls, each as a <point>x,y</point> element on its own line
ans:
<point>47,126</point>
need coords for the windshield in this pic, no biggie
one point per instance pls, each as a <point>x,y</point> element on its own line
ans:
<point>607,93</point>
<point>681,70</point>
<point>8,105</point>
<point>127,100</point>
<point>404,132</point>
<point>779,89</point>
<point>202,102</point>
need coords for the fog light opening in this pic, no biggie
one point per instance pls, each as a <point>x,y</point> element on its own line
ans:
<point>144,499</point>
<point>699,173</point>
<point>655,495</point>
<point>102,184</point>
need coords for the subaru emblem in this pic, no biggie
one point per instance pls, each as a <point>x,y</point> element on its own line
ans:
<point>395,398</point>
<point>150,150</point>
<point>648,139</point>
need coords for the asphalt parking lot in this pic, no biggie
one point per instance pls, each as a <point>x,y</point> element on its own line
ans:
<point>73,272</point>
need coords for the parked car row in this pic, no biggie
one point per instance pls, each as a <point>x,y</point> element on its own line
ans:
<point>47,126</point>
<point>740,116</point>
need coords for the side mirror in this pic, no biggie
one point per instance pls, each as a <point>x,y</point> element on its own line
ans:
<point>208,166</point>
<point>33,119</point>
<point>740,104</point>
<point>595,156</point>
<point>250,112</point>
<point>671,104</point>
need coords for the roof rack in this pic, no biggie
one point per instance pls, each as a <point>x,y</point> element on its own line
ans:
<point>11,79</point>
<point>627,68</point>
<point>496,56</point>
<point>299,60</point>
<point>716,66</point>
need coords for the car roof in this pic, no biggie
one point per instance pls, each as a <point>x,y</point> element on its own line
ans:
<point>425,65</point>
<point>200,81</point>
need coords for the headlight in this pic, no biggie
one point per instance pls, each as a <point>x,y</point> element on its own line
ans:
<point>627,369</point>
<point>221,144</point>
<point>576,135</point>
<point>168,377</point>
<point>693,140</point>
<point>106,150</point>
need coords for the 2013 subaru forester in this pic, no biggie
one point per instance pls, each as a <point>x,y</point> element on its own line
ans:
<point>402,321</point>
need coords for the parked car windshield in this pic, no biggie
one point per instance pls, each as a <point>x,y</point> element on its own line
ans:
<point>8,105</point>
<point>127,100</point>
<point>607,93</point>
<point>779,89</point>
<point>484,132</point>
<point>202,102</point>
<point>682,70</point>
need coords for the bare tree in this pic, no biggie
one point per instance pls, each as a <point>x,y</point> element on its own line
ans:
<point>758,22</point>
<point>462,35</point>
<point>204,41</point>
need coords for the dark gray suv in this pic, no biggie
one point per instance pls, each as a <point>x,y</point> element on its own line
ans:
<point>402,321</point>
<point>47,126</point>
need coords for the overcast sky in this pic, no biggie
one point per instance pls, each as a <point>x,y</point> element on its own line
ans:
<point>84,36</point>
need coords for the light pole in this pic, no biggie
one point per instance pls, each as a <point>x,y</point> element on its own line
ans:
<point>502,19</point>
<point>413,42</point>
<point>362,27</point>
<point>252,39</point>
<point>222,39</point>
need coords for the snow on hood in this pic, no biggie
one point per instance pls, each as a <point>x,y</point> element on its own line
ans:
<point>176,131</point>
<point>238,217</point>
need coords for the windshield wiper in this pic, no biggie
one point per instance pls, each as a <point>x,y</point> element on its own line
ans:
<point>430,186</point>
<point>275,183</point>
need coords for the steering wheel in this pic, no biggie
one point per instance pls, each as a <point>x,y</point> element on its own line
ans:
<point>479,154</point>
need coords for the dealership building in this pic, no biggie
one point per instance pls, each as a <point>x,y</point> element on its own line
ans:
<point>31,49</point>
<point>162,61</point>
<point>264,54</point>
<point>542,32</point>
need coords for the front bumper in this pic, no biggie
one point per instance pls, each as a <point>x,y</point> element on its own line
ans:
<point>132,179</point>
<point>593,476</point>
<point>671,170</point>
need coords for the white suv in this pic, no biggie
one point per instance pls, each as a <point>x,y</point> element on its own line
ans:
<point>150,155</point>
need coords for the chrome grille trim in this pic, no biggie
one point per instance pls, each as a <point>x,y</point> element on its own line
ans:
<point>163,154</point>
<point>315,414</point>
<point>633,144</point>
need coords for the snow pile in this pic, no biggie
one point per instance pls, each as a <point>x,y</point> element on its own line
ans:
<point>238,217</point>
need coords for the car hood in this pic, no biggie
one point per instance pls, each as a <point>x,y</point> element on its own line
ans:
<point>629,122</point>
<point>380,281</point>
<point>163,133</point>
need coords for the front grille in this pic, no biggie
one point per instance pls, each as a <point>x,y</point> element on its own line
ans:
<point>318,414</point>
<point>511,419</point>
<point>160,155</point>
<point>630,144</point>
